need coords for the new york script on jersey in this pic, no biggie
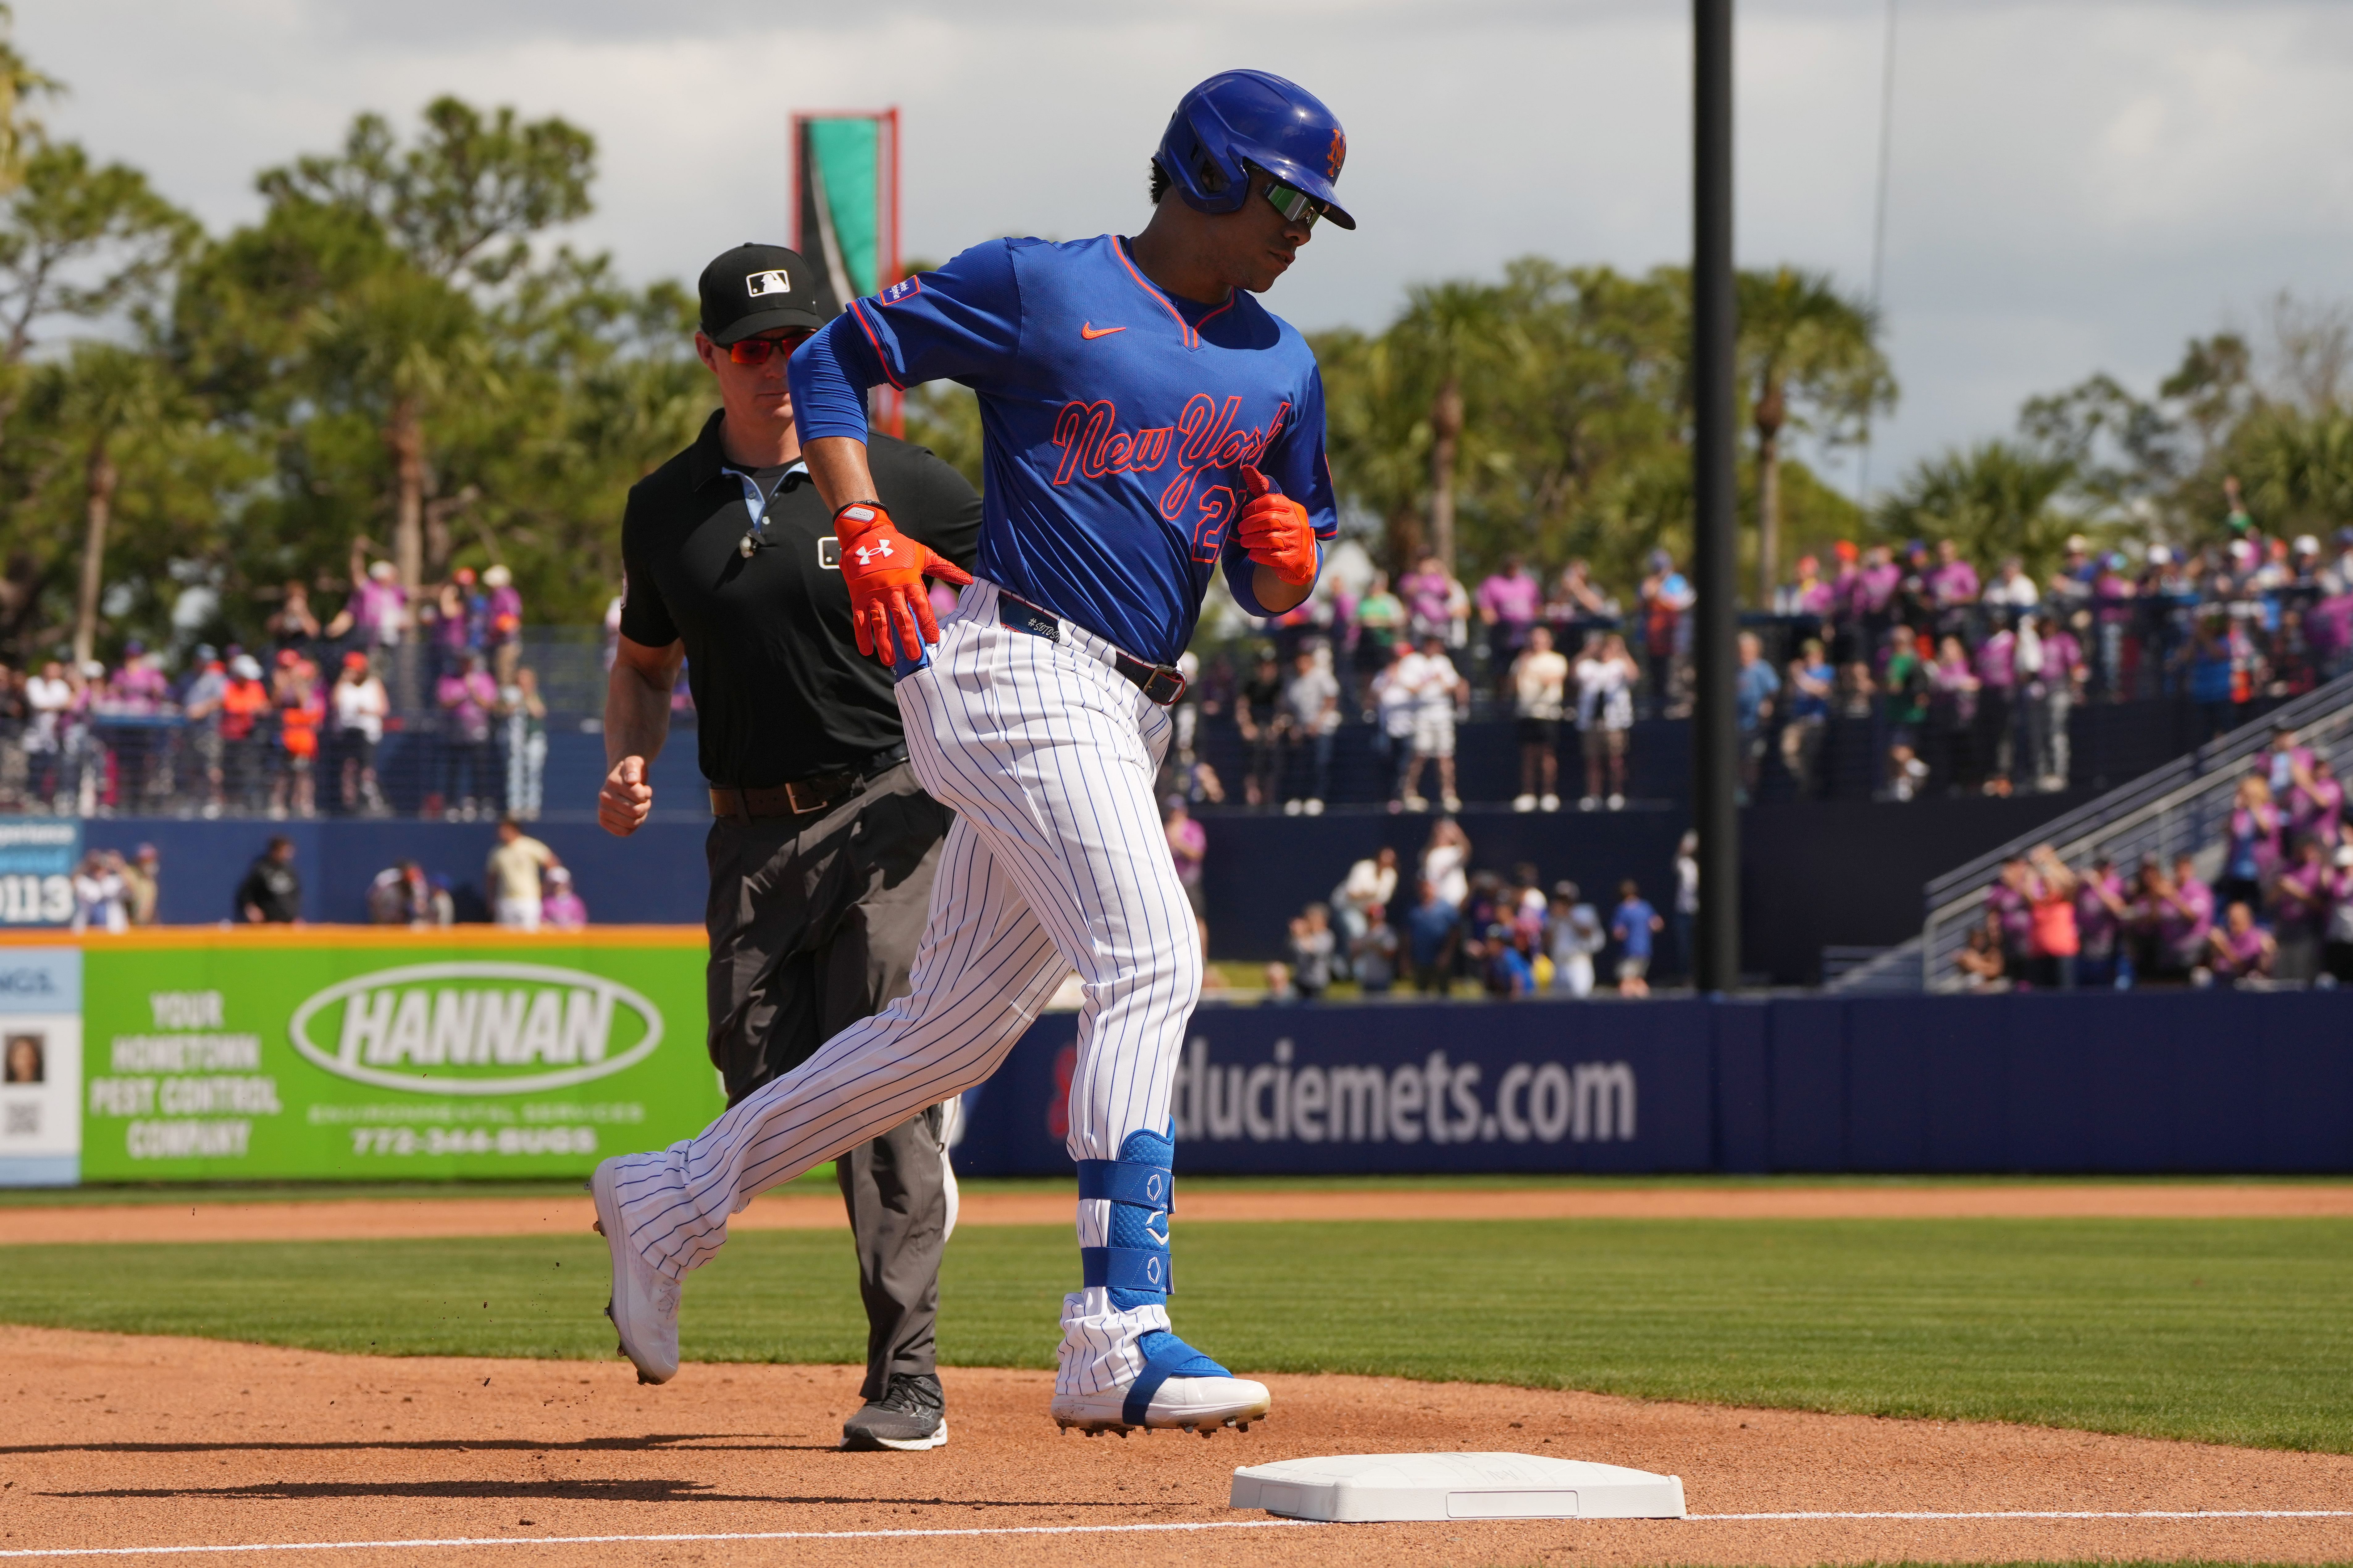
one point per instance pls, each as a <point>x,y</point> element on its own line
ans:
<point>1115,420</point>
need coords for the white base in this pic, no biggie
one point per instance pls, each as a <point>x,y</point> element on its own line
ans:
<point>1362,1488</point>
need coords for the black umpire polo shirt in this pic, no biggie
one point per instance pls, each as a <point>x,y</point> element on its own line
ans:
<point>781,692</point>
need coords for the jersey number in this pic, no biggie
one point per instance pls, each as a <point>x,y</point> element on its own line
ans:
<point>1209,534</point>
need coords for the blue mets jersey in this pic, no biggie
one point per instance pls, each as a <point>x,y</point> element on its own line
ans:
<point>1116,418</point>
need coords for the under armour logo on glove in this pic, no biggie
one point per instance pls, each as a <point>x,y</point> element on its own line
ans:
<point>888,605</point>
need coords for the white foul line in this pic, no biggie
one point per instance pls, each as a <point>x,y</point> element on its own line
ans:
<point>635,1540</point>
<point>2023,1513</point>
<point>1064,1530</point>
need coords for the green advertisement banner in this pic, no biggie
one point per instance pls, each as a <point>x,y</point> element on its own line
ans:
<point>366,1057</point>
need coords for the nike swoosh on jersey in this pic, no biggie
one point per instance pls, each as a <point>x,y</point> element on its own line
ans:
<point>1090,332</point>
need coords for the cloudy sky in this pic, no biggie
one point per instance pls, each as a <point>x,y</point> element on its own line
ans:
<point>2077,185</point>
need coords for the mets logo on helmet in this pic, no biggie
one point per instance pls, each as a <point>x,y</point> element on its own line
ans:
<point>1340,153</point>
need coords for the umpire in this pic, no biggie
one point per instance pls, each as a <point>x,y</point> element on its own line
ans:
<point>822,845</point>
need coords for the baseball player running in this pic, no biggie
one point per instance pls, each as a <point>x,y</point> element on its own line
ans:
<point>1146,423</point>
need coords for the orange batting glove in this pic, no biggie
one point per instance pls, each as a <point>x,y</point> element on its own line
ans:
<point>885,570</point>
<point>1275,530</point>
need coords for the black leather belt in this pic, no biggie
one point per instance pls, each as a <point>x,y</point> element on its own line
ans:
<point>801,797</point>
<point>1162,684</point>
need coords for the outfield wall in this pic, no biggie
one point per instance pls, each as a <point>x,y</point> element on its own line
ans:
<point>2091,1083</point>
<point>328,1053</point>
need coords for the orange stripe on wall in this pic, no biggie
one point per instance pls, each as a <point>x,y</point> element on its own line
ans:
<point>152,938</point>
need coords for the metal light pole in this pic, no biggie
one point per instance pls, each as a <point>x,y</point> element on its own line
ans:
<point>1714,741</point>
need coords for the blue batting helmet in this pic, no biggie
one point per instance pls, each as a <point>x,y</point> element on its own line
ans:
<point>1252,116</point>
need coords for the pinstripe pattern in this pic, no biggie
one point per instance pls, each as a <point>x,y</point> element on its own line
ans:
<point>1057,861</point>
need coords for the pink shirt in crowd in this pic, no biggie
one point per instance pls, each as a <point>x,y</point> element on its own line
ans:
<point>2187,932</point>
<point>2319,812</point>
<point>468,698</point>
<point>1994,666</point>
<point>1188,845</point>
<point>1427,595</point>
<point>380,609</point>
<point>140,687</point>
<point>2017,916</point>
<point>2300,897</point>
<point>503,617</point>
<point>2062,656</point>
<point>2094,919</point>
<point>1513,599</point>
<point>1874,587</point>
<point>2239,954</point>
<point>1954,583</point>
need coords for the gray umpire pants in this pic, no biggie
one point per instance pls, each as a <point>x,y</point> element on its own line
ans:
<point>814,923</point>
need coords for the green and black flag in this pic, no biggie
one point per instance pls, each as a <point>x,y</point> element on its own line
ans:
<point>846,212</point>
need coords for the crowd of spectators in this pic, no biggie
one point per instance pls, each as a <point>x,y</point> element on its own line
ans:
<point>1441,928</point>
<point>1969,670</point>
<point>293,730</point>
<point>2279,908</point>
<point>528,888</point>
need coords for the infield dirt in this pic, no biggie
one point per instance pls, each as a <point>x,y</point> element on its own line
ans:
<point>355,1220</point>
<point>110,1441</point>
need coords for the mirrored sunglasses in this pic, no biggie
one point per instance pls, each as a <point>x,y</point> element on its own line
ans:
<point>1295,204</point>
<point>755,350</point>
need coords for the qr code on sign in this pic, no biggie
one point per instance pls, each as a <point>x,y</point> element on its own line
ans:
<point>25,1120</point>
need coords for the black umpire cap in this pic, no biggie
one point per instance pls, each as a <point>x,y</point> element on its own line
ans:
<point>756,288</point>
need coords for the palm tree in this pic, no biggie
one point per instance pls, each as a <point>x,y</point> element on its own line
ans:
<point>1810,361</point>
<point>112,391</point>
<point>2297,466</point>
<point>458,210</point>
<point>1375,435</point>
<point>1449,334</point>
<point>1995,499</point>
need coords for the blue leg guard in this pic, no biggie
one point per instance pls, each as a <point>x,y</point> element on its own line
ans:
<point>1140,1186</point>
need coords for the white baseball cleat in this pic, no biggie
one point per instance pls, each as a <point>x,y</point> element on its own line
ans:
<point>644,1302</point>
<point>1191,1404</point>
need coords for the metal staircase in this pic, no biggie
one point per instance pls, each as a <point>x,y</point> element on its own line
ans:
<point>2179,808</point>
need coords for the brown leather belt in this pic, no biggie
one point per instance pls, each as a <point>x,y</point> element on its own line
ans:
<point>1163,684</point>
<point>801,797</point>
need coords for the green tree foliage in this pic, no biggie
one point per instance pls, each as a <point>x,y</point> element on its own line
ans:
<point>2298,467</point>
<point>2100,458</point>
<point>1548,416</point>
<point>1997,499</point>
<point>21,86</point>
<point>1809,362</point>
<point>400,357</point>
<point>423,375</point>
<point>394,351</point>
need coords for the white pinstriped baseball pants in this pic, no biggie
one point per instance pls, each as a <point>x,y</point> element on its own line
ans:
<point>1057,861</point>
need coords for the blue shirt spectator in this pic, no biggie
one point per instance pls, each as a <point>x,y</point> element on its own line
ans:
<point>1815,703</point>
<point>1633,923</point>
<point>1753,684</point>
<point>1431,930</point>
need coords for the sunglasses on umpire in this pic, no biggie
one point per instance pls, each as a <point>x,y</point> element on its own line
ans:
<point>755,350</point>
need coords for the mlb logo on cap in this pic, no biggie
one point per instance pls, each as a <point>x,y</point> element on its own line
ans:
<point>758,289</point>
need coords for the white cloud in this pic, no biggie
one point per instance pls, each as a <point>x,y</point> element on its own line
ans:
<point>2078,186</point>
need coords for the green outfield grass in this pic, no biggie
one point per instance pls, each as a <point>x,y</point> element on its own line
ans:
<point>2229,1331</point>
<point>820,1179</point>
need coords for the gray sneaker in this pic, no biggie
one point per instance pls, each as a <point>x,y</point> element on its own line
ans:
<point>911,1413</point>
